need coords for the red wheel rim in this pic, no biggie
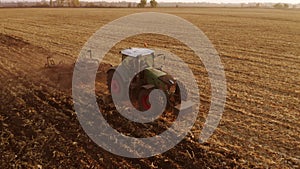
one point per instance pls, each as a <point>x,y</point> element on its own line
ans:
<point>115,87</point>
<point>145,102</point>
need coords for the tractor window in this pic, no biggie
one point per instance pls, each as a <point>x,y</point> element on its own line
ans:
<point>159,61</point>
<point>129,61</point>
<point>148,60</point>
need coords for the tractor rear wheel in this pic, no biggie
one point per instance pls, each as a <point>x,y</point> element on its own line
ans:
<point>115,85</point>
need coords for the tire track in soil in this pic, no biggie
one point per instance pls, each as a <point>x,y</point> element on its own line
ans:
<point>55,116</point>
<point>180,155</point>
<point>263,65</point>
<point>53,108</point>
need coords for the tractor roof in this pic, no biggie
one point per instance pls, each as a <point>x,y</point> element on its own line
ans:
<point>135,52</point>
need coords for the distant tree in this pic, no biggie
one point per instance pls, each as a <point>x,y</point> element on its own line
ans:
<point>177,6</point>
<point>257,5</point>
<point>42,4</point>
<point>20,4</point>
<point>279,5</point>
<point>69,2</point>
<point>153,3</point>
<point>38,4</point>
<point>51,3</point>
<point>91,5</point>
<point>142,4</point>
<point>75,3</point>
<point>129,5</point>
<point>60,3</point>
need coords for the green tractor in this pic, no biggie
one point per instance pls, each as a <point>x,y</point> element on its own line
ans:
<point>148,78</point>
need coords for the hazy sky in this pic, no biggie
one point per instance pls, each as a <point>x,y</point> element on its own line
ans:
<point>213,1</point>
<point>232,1</point>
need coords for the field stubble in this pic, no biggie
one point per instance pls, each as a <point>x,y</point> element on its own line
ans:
<point>260,50</point>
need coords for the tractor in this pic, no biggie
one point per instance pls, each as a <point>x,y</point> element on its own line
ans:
<point>146,80</point>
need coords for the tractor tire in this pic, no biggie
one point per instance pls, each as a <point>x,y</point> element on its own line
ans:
<point>115,86</point>
<point>144,104</point>
<point>143,99</point>
<point>182,91</point>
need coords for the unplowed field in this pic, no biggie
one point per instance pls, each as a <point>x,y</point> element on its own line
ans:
<point>260,127</point>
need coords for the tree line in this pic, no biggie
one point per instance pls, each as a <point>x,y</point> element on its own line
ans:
<point>143,3</point>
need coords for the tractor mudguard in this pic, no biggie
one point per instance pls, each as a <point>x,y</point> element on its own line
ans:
<point>124,79</point>
<point>113,68</point>
<point>148,86</point>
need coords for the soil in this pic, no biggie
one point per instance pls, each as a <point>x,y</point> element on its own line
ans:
<point>260,126</point>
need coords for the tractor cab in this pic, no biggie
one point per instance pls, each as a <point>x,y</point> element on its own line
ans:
<point>138,58</point>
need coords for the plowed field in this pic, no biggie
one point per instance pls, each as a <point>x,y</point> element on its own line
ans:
<point>260,127</point>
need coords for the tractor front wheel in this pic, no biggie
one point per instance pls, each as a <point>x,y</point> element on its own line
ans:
<point>143,100</point>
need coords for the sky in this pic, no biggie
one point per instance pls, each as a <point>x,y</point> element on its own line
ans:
<point>232,1</point>
<point>215,1</point>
